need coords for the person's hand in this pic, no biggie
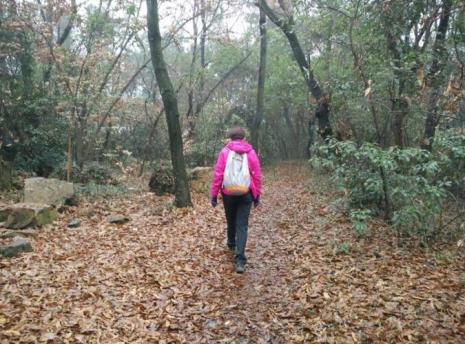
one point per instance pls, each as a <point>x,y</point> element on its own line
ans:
<point>256,201</point>
<point>214,201</point>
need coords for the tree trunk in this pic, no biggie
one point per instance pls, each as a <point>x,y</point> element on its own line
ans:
<point>150,139</point>
<point>190,93</point>
<point>399,112</point>
<point>6,180</point>
<point>203,41</point>
<point>182,194</point>
<point>255,132</point>
<point>311,137</point>
<point>435,76</point>
<point>80,134</point>
<point>293,142</point>
<point>358,66</point>
<point>287,27</point>
<point>399,107</point>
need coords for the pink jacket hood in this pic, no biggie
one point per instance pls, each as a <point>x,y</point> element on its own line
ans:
<point>239,146</point>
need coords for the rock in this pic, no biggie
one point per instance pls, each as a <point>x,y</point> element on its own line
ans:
<point>201,178</point>
<point>200,171</point>
<point>3,212</point>
<point>23,233</point>
<point>212,324</point>
<point>162,180</point>
<point>47,191</point>
<point>119,219</point>
<point>15,248</point>
<point>22,215</point>
<point>90,212</point>
<point>72,201</point>
<point>74,223</point>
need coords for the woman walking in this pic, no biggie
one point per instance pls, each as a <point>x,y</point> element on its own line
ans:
<point>237,175</point>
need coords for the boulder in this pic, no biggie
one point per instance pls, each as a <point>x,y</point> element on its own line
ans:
<point>22,233</point>
<point>22,215</point>
<point>162,179</point>
<point>3,212</point>
<point>15,248</point>
<point>74,223</point>
<point>119,219</point>
<point>201,178</point>
<point>47,191</point>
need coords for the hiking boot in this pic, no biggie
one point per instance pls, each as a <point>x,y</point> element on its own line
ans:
<point>231,248</point>
<point>240,267</point>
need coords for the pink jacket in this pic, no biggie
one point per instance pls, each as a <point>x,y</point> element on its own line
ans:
<point>239,146</point>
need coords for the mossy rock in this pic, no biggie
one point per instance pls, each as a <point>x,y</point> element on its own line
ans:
<point>22,215</point>
<point>15,248</point>
<point>162,180</point>
<point>25,233</point>
<point>47,191</point>
<point>201,178</point>
<point>3,213</point>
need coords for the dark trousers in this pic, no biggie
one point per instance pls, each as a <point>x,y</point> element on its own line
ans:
<point>237,210</point>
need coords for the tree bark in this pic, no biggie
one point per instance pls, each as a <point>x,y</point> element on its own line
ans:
<point>294,143</point>
<point>399,112</point>
<point>435,76</point>
<point>6,179</point>
<point>255,130</point>
<point>287,27</point>
<point>182,194</point>
<point>203,42</point>
<point>358,66</point>
<point>399,107</point>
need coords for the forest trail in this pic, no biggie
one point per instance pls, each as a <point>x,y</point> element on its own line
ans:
<point>166,276</point>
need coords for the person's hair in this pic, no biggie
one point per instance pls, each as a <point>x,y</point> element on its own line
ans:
<point>236,133</point>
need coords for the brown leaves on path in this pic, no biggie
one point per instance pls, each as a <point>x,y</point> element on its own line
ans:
<point>166,276</point>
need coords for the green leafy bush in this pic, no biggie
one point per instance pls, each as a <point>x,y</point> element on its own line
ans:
<point>359,218</point>
<point>93,190</point>
<point>409,187</point>
<point>98,173</point>
<point>44,149</point>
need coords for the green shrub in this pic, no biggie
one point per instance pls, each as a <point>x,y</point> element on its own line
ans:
<point>93,190</point>
<point>343,248</point>
<point>359,218</point>
<point>96,172</point>
<point>410,186</point>
<point>44,150</point>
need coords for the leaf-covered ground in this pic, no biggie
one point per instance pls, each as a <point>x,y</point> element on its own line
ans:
<point>166,276</point>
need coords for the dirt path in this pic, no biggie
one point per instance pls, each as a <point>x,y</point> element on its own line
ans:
<point>166,277</point>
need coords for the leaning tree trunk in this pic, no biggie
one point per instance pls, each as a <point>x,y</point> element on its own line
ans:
<point>287,27</point>
<point>182,194</point>
<point>435,76</point>
<point>255,132</point>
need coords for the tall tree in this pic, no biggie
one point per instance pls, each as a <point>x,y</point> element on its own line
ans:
<point>182,194</point>
<point>286,23</point>
<point>435,76</point>
<point>261,82</point>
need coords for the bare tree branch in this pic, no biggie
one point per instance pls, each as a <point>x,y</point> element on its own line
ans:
<point>223,78</point>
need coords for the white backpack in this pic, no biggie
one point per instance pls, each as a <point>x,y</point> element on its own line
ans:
<point>236,178</point>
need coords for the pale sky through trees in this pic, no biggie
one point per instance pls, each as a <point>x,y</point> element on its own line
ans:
<point>172,12</point>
